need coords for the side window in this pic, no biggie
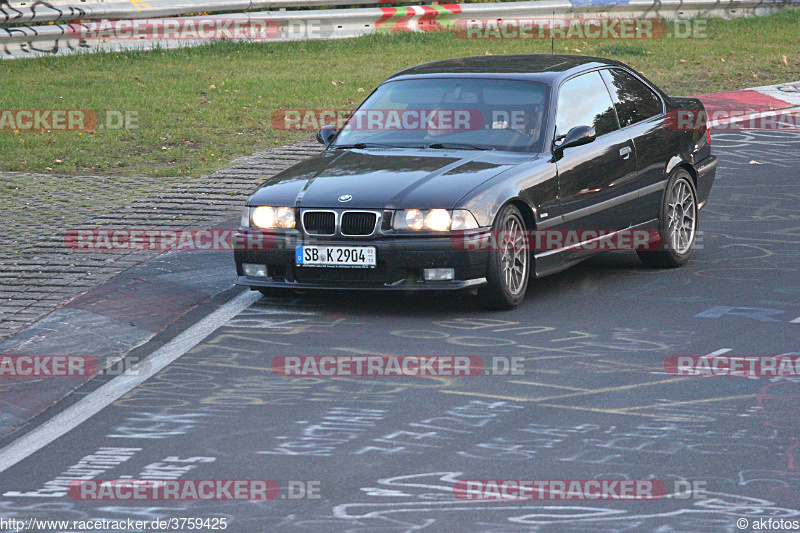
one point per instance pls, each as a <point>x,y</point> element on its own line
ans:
<point>633,99</point>
<point>584,101</point>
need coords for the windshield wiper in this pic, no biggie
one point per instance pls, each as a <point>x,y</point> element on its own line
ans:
<point>459,146</point>
<point>360,146</point>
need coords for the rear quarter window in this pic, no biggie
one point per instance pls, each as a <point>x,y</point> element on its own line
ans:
<point>633,100</point>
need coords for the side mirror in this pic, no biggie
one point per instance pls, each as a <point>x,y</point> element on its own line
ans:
<point>577,136</point>
<point>326,134</point>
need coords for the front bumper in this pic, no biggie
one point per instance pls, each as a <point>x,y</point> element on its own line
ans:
<point>400,261</point>
<point>706,171</point>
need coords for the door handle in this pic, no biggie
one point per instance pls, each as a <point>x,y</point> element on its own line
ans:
<point>625,152</point>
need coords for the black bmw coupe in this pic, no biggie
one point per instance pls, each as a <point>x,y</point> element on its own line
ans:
<point>478,172</point>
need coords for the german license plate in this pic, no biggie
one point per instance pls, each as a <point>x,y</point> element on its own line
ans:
<point>335,256</point>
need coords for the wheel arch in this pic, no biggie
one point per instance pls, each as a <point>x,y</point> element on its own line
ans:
<point>526,210</point>
<point>676,162</point>
<point>529,216</point>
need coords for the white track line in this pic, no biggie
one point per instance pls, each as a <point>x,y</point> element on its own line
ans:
<point>73,416</point>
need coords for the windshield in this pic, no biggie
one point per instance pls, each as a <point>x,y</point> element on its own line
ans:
<point>464,113</point>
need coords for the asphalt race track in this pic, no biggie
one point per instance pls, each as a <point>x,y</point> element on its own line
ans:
<point>383,454</point>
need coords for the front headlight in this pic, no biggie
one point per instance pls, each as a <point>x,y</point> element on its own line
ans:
<point>437,220</point>
<point>266,217</point>
<point>463,219</point>
<point>434,220</point>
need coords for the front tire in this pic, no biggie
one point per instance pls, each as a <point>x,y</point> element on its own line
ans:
<point>677,223</point>
<point>509,262</point>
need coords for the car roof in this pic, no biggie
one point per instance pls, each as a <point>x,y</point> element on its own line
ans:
<point>539,67</point>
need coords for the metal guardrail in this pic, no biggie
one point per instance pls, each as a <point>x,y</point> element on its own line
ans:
<point>59,39</point>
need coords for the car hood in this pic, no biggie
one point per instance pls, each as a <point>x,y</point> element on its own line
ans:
<point>392,178</point>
